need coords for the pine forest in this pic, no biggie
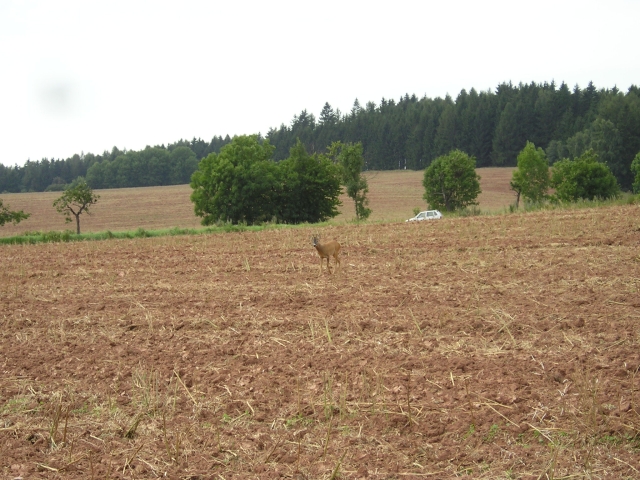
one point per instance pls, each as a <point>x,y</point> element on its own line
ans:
<point>408,133</point>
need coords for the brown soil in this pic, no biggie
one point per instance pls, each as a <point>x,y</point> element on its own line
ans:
<point>497,347</point>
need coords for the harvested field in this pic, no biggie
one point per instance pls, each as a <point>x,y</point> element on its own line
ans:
<point>392,194</point>
<point>493,347</point>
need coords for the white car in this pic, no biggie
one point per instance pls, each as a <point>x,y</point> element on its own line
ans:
<point>426,215</point>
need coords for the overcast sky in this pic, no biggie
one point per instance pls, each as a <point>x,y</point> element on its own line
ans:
<point>84,76</point>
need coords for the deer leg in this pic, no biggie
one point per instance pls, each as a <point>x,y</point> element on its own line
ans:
<point>338,266</point>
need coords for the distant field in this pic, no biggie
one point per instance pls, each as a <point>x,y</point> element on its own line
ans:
<point>393,196</point>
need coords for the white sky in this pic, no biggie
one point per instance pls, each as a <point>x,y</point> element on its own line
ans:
<point>84,76</point>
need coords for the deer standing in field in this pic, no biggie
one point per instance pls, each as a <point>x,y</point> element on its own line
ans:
<point>327,250</point>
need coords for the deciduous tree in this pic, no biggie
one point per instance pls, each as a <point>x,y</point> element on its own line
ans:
<point>349,157</point>
<point>531,179</point>
<point>635,168</point>
<point>310,187</point>
<point>76,200</point>
<point>14,217</point>
<point>583,178</point>
<point>451,182</point>
<point>243,184</point>
<point>239,184</point>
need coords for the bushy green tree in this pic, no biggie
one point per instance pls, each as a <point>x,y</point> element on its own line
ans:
<point>310,187</point>
<point>349,157</point>
<point>76,200</point>
<point>451,182</point>
<point>243,184</point>
<point>583,178</point>
<point>14,217</point>
<point>239,184</point>
<point>531,179</point>
<point>604,139</point>
<point>635,168</point>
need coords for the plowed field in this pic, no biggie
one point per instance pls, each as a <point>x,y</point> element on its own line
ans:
<point>494,347</point>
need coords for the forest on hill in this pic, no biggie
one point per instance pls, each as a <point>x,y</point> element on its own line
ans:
<point>492,126</point>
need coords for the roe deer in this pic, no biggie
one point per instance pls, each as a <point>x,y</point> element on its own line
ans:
<point>327,250</point>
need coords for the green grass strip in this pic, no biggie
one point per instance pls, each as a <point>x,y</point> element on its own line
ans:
<point>29,238</point>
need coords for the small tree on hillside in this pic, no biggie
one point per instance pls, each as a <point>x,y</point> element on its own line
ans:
<point>531,179</point>
<point>583,178</point>
<point>451,182</point>
<point>349,157</point>
<point>635,168</point>
<point>7,215</point>
<point>76,200</point>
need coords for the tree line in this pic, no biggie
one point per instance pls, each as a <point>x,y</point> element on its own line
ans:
<point>159,165</point>
<point>492,126</point>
